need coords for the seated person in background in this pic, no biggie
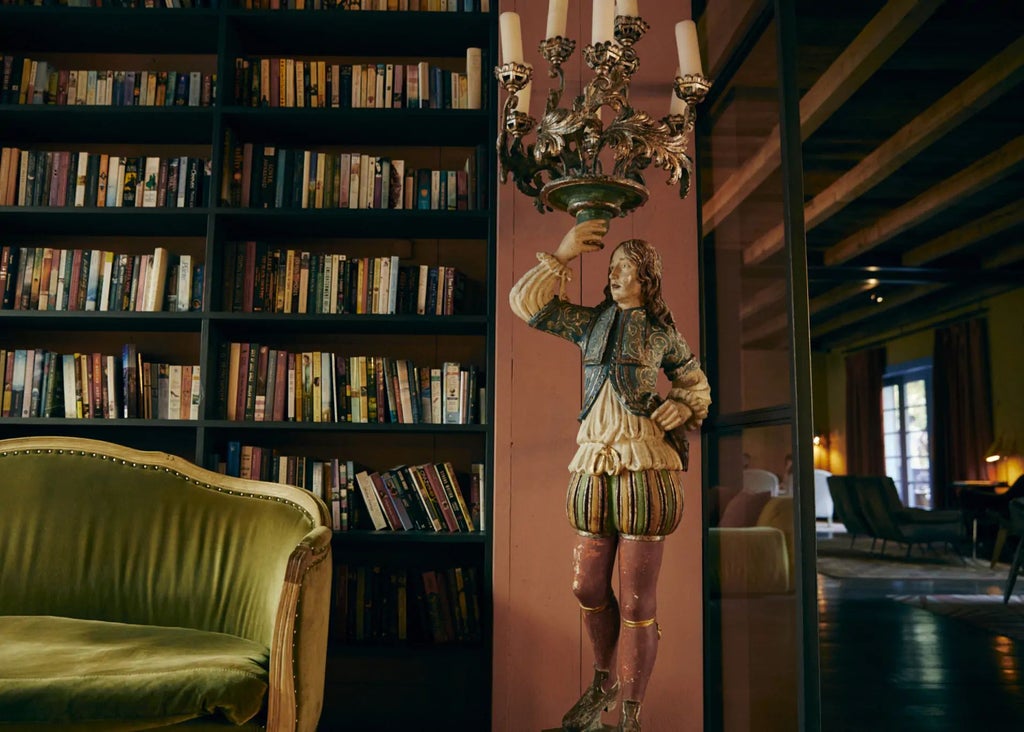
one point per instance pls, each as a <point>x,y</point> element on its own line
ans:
<point>786,481</point>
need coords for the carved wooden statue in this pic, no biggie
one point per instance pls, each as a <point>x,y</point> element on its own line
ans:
<point>625,493</point>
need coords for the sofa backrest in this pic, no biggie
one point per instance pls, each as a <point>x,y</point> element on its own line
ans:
<point>97,531</point>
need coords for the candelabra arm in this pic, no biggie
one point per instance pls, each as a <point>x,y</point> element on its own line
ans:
<point>556,51</point>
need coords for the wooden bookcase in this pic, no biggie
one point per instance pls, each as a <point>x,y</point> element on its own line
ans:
<point>370,685</point>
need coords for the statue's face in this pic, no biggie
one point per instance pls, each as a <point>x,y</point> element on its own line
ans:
<point>623,281</point>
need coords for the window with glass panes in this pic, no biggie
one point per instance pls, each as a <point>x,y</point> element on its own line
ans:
<point>906,391</point>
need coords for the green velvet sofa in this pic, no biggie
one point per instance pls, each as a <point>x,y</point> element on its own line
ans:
<point>138,591</point>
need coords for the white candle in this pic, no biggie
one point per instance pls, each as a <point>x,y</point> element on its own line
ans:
<point>675,104</point>
<point>627,8</point>
<point>689,50</point>
<point>511,38</point>
<point>602,25</point>
<point>523,98</point>
<point>557,10</point>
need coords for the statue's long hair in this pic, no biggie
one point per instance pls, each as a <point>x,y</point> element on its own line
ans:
<point>648,270</point>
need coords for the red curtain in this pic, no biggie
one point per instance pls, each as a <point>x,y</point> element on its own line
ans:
<point>865,449</point>
<point>962,411</point>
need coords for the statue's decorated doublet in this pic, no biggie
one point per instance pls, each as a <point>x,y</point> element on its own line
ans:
<point>623,346</point>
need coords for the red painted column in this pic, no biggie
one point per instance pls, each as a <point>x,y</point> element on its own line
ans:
<point>542,659</point>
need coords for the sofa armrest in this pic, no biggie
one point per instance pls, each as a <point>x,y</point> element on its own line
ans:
<point>299,651</point>
<point>748,561</point>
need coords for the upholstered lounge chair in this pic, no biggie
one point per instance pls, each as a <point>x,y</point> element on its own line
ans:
<point>138,591</point>
<point>847,508</point>
<point>889,520</point>
<point>1016,527</point>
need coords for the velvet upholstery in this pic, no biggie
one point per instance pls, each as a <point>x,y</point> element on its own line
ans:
<point>97,532</point>
<point>756,559</point>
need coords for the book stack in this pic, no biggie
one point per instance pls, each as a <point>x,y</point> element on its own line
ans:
<point>426,497</point>
<point>263,278</point>
<point>259,383</point>
<point>441,6</point>
<point>46,278</point>
<point>95,180</point>
<point>313,84</point>
<point>380,604</point>
<point>266,176</point>
<point>35,81</point>
<point>42,383</point>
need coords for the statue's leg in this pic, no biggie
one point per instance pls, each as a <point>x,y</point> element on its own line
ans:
<point>593,562</point>
<point>639,565</point>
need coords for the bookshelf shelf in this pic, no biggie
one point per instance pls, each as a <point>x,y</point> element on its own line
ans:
<point>103,30</point>
<point>249,223</point>
<point>45,123</point>
<point>103,221</point>
<point>31,425</point>
<point>386,428</point>
<point>289,126</point>
<point>362,33</point>
<point>391,325</point>
<point>360,678</point>
<point>356,537</point>
<point>51,320</point>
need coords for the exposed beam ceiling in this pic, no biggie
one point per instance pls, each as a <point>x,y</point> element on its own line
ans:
<point>913,166</point>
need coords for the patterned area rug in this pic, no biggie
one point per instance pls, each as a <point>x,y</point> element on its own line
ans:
<point>984,611</point>
<point>836,558</point>
<point>898,569</point>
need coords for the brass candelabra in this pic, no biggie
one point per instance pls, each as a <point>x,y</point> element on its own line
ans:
<point>563,168</point>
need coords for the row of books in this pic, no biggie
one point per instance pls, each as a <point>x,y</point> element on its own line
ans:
<point>41,383</point>
<point>386,605</point>
<point>265,176</point>
<point>131,4</point>
<point>451,6</point>
<point>258,383</point>
<point>441,6</point>
<point>426,497</point>
<point>47,278</point>
<point>429,497</point>
<point>288,82</point>
<point>260,277</point>
<point>66,178</point>
<point>33,81</point>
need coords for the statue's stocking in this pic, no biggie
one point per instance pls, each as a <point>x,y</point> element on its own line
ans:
<point>639,565</point>
<point>593,560</point>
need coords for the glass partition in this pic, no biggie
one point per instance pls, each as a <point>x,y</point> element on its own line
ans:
<point>754,639</point>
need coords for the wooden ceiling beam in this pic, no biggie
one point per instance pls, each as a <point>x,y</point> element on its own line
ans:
<point>1001,74</point>
<point>839,295</point>
<point>1006,256</point>
<point>852,317</point>
<point>879,39</point>
<point>775,325</point>
<point>970,180</point>
<point>1012,254</point>
<point>763,299</point>
<point>963,237</point>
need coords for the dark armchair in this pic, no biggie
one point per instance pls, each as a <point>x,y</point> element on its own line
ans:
<point>870,506</point>
<point>890,520</point>
<point>847,510</point>
<point>1016,527</point>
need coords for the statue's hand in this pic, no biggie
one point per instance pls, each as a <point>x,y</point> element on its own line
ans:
<point>583,237</point>
<point>671,414</point>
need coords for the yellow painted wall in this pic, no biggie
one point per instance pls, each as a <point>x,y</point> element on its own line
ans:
<point>1006,342</point>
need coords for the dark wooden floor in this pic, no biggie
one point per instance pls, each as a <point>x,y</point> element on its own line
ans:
<point>889,666</point>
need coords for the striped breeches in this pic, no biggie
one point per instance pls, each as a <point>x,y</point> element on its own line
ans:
<point>643,504</point>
